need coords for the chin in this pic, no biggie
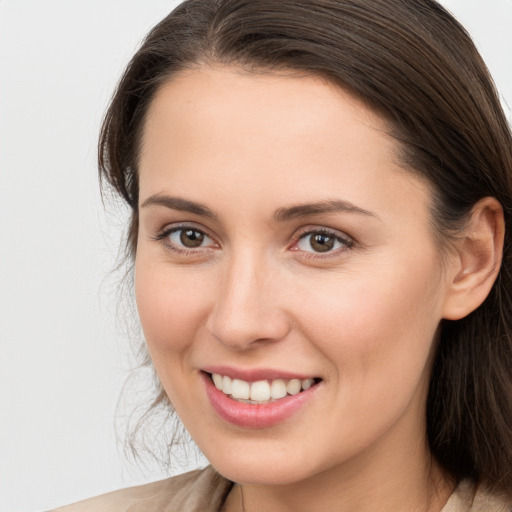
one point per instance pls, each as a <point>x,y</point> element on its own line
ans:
<point>260,473</point>
<point>262,465</point>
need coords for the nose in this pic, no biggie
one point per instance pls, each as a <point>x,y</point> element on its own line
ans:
<point>248,310</point>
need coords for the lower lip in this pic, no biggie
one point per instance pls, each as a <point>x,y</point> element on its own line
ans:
<point>256,415</point>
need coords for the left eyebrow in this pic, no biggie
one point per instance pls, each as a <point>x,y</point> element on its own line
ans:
<point>330,206</point>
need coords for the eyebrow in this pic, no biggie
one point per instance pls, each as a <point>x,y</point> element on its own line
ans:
<point>280,215</point>
<point>330,206</point>
<point>177,203</point>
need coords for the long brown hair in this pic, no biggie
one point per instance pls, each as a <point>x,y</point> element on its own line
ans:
<point>414,64</point>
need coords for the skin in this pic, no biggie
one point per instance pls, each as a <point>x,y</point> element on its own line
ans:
<point>362,317</point>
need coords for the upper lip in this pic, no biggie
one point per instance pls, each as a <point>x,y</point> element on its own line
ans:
<point>255,374</point>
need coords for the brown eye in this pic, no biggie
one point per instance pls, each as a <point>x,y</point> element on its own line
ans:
<point>321,242</point>
<point>191,238</point>
<point>183,238</point>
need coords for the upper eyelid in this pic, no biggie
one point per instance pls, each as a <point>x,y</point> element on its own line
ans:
<point>169,228</point>
<point>322,229</point>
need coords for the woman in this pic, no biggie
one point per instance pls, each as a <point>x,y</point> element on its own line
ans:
<point>319,194</point>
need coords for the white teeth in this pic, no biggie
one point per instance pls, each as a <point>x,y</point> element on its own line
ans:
<point>218,380</point>
<point>261,391</point>
<point>278,389</point>
<point>293,386</point>
<point>227,385</point>
<point>240,389</point>
<point>307,383</point>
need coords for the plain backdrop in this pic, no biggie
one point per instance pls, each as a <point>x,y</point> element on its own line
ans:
<point>63,358</point>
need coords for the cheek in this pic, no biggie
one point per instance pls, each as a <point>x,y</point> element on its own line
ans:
<point>171,306</point>
<point>376,327</point>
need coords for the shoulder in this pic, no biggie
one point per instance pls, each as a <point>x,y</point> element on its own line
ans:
<point>470,497</point>
<point>197,491</point>
<point>488,501</point>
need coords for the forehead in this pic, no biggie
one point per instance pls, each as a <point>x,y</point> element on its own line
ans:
<point>289,138</point>
<point>274,104</point>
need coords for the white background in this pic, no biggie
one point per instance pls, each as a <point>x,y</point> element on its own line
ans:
<point>63,360</point>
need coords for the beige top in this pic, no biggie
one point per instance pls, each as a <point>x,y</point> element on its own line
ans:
<point>205,491</point>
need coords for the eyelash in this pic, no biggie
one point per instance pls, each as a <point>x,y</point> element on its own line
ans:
<point>163,237</point>
<point>345,241</point>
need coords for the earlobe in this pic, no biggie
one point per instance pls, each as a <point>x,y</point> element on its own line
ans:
<point>476,260</point>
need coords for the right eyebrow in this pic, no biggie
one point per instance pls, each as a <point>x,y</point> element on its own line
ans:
<point>178,203</point>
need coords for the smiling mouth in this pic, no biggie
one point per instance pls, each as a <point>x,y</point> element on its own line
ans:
<point>262,391</point>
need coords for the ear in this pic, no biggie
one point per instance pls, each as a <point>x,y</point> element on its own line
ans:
<point>476,260</point>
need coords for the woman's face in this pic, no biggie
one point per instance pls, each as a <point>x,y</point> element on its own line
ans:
<point>279,242</point>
